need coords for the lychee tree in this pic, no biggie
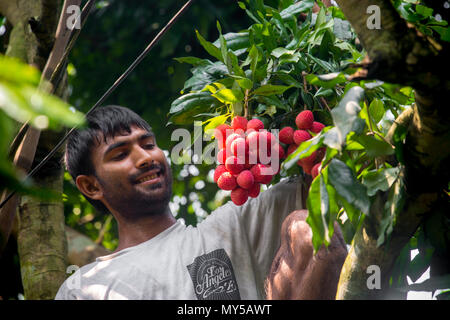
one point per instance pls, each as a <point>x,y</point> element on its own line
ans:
<point>383,172</point>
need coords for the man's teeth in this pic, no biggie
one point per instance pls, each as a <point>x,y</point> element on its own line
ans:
<point>150,177</point>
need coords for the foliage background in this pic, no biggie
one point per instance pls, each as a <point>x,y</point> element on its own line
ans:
<point>117,32</point>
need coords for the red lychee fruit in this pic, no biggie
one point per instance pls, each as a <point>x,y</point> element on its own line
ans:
<point>252,141</point>
<point>262,173</point>
<point>255,124</point>
<point>310,160</point>
<point>245,179</point>
<point>254,190</point>
<point>230,140</point>
<point>234,165</point>
<point>304,120</point>
<point>267,137</point>
<point>278,149</point>
<point>286,135</point>
<point>291,148</point>
<point>315,170</point>
<point>239,147</point>
<point>320,154</point>
<point>301,136</point>
<point>239,196</point>
<point>307,167</point>
<point>220,134</point>
<point>226,181</point>
<point>218,172</point>
<point>239,122</point>
<point>222,156</point>
<point>316,127</point>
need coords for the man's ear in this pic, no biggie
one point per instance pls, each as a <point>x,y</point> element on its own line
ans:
<point>89,186</point>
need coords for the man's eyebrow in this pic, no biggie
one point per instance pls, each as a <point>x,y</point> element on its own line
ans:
<point>124,143</point>
<point>147,135</point>
<point>115,146</point>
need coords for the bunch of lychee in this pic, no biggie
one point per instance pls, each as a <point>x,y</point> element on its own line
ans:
<point>248,157</point>
<point>307,127</point>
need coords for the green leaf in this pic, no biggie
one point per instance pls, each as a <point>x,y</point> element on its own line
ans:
<point>394,205</point>
<point>424,11</point>
<point>244,83</point>
<point>270,89</point>
<point>375,147</point>
<point>213,123</point>
<point>209,47</point>
<point>238,42</point>
<point>347,186</point>
<point>345,118</point>
<point>229,95</point>
<point>55,109</point>
<point>254,56</point>
<point>314,218</point>
<point>398,141</point>
<point>381,179</point>
<point>376,110</point>
<point>289,80</point>
<point>193,60</point>
<point>296,8</point>
<point>234,62</point>
<point>322,209</point>
<point>26,103</point>
<point>327,80</point>
<point>321,19</point>
<point>190,101</point>
<point>271,101</point>
<point>278,52</point>
<point>204,75</point>
<point>13,71</point>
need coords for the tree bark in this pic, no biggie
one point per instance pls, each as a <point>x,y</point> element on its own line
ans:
<point>41,248</point>
<point>41,239</point>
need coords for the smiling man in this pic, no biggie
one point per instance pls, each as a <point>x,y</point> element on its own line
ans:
<point>117,165</point>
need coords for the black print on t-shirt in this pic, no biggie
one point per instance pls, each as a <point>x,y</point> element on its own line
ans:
<point>213,277</point>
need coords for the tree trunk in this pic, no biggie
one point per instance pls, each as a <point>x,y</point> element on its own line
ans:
<point>42,243</point>
<point>41,246</point>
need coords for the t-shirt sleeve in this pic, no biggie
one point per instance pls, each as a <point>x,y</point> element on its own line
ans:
<point>262,218</point>
<point>64,293</point>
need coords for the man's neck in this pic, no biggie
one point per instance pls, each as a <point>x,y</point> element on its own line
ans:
<point>136,231</point>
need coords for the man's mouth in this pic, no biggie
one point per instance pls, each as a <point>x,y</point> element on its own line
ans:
<point>150,178</point>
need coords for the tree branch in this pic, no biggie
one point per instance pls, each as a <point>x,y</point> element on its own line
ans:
<point>397,52</point>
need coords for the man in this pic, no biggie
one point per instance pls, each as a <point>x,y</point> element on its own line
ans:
<point>119,168</point>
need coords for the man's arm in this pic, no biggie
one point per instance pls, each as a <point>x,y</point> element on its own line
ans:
<point>297,274</point>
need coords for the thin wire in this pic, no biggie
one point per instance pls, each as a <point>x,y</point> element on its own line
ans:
<point>107,93</point>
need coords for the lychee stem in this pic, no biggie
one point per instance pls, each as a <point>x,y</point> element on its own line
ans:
<point>246,104</point>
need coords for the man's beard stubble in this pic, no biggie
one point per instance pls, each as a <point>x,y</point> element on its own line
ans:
<point>137,203</point>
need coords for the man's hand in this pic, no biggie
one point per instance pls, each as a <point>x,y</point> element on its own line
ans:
<point>297,274</point>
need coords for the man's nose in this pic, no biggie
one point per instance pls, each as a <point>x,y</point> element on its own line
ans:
<point>143,157</point>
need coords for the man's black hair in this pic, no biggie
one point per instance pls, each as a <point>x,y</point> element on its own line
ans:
<point>104,122</point>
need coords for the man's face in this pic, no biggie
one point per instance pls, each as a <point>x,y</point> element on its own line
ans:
<point>133,173</point>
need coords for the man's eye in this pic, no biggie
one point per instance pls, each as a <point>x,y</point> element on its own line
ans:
<point>149,146</point>
<point>119,156</point>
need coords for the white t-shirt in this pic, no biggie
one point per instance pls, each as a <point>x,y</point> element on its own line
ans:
<point>226,256</point>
